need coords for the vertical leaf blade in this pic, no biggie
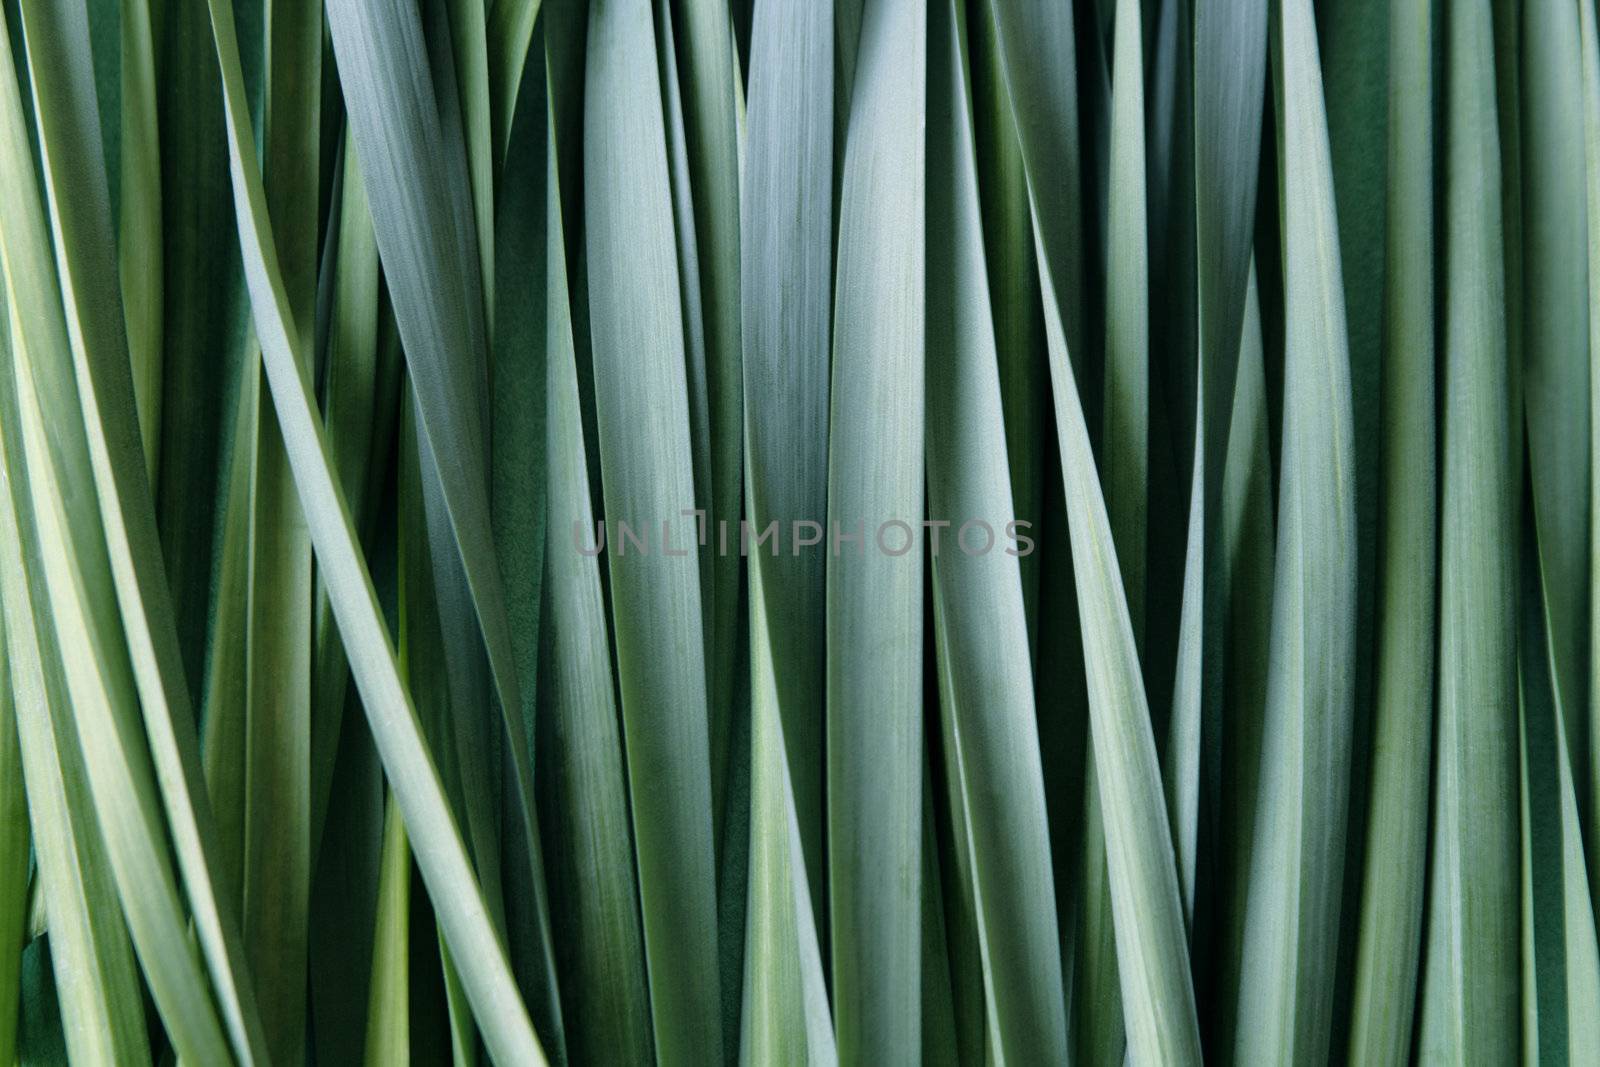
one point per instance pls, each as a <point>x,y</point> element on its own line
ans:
<point>641,407</point>
<point>1470,981</point>
<point>874,599</point>
<point>1286,999</point>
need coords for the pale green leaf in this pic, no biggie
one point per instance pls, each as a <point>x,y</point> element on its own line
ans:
<point>277,850</point>
<point>1590,41</point>
<point>987,675</point>
<point>1556,329</point>
<point>1247,532</point>
<point>1394,860</point>
<point>508,34</point>
<point>787,235</point>
<point>709,87</point>
<point>1157,995</point>
<point>389,1015</point>
<point>786,1015</point>
<point>1013,287</point>
<point>582,788</point>
<point>1561,992</point>
<point>139,236</point>
<point>1291,937</point>
<point>874,599</point>
<point>1469,974</point>
<point>642,409</point>
<point>1229,76</point>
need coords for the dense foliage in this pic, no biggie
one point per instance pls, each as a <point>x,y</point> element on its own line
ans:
<point>778,531</point>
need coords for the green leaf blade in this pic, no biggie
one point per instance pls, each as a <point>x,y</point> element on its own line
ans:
<point>641,407</point>
<point>1470,980</point>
